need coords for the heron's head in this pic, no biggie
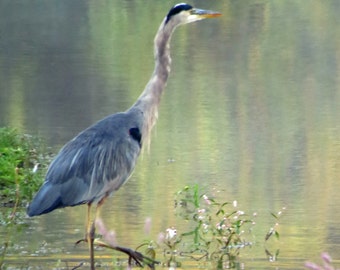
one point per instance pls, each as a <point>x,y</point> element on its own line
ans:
<point>183,13</point>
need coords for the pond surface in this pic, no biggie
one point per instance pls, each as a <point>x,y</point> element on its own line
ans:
<point>251,113</point>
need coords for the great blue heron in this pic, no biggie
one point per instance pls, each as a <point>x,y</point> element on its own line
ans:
<point>100,159</point>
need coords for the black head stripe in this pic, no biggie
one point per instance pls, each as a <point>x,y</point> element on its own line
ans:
<point>177,9</point>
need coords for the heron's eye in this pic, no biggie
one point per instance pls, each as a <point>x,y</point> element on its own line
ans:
<point>136,135</point>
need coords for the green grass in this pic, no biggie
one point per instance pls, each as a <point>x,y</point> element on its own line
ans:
<point>23,161</point>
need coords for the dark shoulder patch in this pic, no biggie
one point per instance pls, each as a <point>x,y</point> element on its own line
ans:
<point>177,9</point>
<point>136,135</point>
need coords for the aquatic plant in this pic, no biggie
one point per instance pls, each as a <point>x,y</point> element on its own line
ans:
<point>218,231</point>
<point>273,232</point>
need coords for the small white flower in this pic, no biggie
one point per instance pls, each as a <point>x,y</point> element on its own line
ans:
<point>201,211</point>
<point>35,168</point>
<point>170,233</point>
<point>206,199</point>
<point>235,203</point>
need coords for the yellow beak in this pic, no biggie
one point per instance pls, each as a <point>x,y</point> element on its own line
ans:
<point>204,13</point>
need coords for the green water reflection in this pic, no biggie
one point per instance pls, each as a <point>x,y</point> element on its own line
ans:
<point>251,110</point>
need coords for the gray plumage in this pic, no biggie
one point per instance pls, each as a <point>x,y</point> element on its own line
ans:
<point>101,158</point>
<point>92,165</point>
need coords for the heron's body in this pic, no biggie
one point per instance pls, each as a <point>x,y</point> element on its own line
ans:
<point>92,165</point>
<point>101,158</point>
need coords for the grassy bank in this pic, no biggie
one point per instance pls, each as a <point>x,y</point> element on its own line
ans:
<point>23,162</point>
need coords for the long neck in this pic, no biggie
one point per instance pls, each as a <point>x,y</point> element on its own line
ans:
<point>149,100</point>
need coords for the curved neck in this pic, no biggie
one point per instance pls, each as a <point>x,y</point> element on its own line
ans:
<point>155,87</point>
<point>149,100</point>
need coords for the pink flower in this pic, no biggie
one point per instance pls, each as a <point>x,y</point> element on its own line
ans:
<point>147,225</point>
<point>312,266</point>
<point>326,257</point>
<point>161,238</point>
<point>109,236</point>
<point>206,199</point>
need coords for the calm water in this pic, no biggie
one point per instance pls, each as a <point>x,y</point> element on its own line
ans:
<point>251,110</point>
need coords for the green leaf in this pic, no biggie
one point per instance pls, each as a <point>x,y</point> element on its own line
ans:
<point>275,216</point>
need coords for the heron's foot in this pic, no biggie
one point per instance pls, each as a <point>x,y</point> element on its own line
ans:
<point>85,240</point>
<point>80,241</point>
<point>134,256</point>
<point>89,236</point>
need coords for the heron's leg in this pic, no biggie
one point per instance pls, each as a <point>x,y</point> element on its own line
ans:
<point>88,224</point>
<point>99,207</point>
<point>89,234</point>
<point>134,255</point>
<point>91,229</point>
<point>90,242</point>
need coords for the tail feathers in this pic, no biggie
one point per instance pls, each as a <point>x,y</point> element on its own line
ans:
<point>46,200</point>
<point>54,195</point>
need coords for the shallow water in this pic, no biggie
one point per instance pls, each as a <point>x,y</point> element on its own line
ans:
<point>251,113</point>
